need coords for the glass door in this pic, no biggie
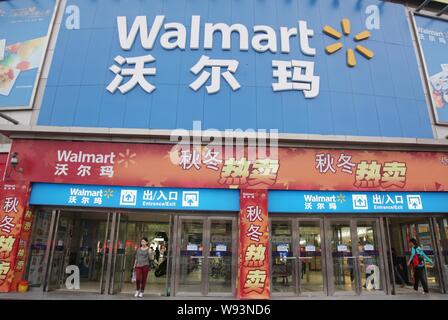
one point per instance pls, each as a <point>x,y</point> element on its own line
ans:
<point>357,263</point>
<point>119,267</point>
<point>370,261</point>
<point>441,226</point>
<point>206,259</point>
<point>311,264</point>
<point>221,259</point>
<point>191,256</point>
<point>342,268</point>
<point>78,244</point>
<point>421,230</point>
<point>283,260</point>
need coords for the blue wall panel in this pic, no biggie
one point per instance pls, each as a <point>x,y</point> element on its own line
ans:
<point>371,99</point>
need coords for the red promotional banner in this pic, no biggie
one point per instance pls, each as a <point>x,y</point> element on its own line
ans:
<point>13,201</point>
<point>159,165</point>
<point>253,277</point>
<point>22,251</point>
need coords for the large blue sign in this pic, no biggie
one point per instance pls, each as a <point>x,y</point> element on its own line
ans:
<point>433,36</point>
<point>357,202</point>
<point>134,197</point>
<point>24,28</point>
<point>315,67</point>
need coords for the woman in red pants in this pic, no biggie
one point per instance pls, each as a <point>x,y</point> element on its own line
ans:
<point>141,266</point>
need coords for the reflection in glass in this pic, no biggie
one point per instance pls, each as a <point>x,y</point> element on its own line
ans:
<point>368,253</point>
<point>79,242</point>
<point>220,258</point>
<point>343,262</point>
<point>282,256</point>
<point>311,276</point>
<point>191,256</point>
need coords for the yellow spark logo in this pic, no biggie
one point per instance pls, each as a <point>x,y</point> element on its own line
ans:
<point>341,198</point>
<point>126,158</point>
<point>332,48</point>
<point>108,193</point>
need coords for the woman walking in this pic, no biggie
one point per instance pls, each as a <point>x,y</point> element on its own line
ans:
<point>417,260</point>
<point>141,266</point>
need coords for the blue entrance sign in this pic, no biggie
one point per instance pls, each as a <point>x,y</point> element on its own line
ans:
<point>134,197</point>
<point>356,202</point>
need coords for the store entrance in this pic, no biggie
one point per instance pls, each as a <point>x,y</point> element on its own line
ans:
<point>78,249</point>
<point>430,233</point>
<point>326,256</point>
<point>205,250</point>
<point>297,256</point>
<point>130,229</point>
<point>355,255</point>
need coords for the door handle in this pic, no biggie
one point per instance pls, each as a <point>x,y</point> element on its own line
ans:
<point>305,258</point>
<point>197,257</point>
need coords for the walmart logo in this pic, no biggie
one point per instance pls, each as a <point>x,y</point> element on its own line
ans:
<point>333,48</point>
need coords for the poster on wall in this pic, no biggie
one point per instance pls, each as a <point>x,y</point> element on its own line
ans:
<point>24,36</point>
<point>433,39</point>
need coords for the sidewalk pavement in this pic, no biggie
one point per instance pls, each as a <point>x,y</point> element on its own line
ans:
<point>39,295</point>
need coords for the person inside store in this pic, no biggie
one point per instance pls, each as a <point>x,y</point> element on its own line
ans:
<point>417,260</point>
<point>157,254</point>
<point>141,266</point>
<point>151,257</point>
<point>397,269</point>
<point>160,269</point>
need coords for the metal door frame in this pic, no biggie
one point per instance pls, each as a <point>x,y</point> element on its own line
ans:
<point>388,244</point>
<point>435,238</point>
<point>116,231</point>
<point>440,248</point>
<point>110,254</point>
<point>49,253</point>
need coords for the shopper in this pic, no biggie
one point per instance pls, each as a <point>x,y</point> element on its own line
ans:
<point>417,260</point>
<point>397,271</point>
<point>151,257</point>
<point>157,254</point>
<point>141,266</point>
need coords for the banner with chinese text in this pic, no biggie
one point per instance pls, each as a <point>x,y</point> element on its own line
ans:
<point>158,165</point>
<point>13,200</point>
<point>22,251</point>
<point>253,277</point>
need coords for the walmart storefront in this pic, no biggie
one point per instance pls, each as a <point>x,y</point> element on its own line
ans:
<point>262,154</point>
